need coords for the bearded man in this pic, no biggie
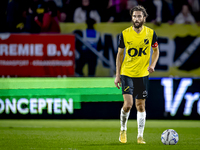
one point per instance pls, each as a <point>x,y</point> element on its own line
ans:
<point>132,70</point>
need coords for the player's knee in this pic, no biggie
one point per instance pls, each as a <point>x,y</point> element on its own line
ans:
<point>140,108</point>
<point>128,107</point>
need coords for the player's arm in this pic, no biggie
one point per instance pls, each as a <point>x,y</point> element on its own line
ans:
<point>119,60</point>
<point>155,54</point>
<point>120,56</point>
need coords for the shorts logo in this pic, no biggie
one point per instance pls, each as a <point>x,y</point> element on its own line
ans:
<point>126,89</point>
<point>144,93</point>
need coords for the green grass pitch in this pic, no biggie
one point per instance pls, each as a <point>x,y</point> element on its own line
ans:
<point>94,134</point>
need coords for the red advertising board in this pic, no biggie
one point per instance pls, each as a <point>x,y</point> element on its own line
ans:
<point>37,55</point>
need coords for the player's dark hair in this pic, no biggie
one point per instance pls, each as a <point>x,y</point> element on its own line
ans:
<point>139,8</point>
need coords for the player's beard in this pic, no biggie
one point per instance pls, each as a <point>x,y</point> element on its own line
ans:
<point>139,24</point>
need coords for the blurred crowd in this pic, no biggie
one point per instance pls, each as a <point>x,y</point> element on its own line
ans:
<point>34,16</point>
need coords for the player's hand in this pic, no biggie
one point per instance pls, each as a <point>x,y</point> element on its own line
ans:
<point>118,82</point>
<point>151,69</point>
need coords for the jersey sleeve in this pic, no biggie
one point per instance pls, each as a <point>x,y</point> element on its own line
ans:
<point>121,41</point>
<point>154,40</point>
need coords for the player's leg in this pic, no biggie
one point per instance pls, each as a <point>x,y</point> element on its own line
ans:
<point>125,111</point>
<point>124,115</point>
<point>141,119</point>
<point>141,94</point>
<point>127,91</point>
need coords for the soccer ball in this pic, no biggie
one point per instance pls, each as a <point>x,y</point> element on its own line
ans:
<point>169,137</point>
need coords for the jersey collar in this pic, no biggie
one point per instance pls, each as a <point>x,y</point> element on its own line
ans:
<point>140,31</point>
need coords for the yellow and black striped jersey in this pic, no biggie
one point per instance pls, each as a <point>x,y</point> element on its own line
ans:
<point>138,48</point>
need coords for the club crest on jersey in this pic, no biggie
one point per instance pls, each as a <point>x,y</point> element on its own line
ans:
<point>146,41</point>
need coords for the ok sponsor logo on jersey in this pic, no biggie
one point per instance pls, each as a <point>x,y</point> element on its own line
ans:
<point>137,52</point>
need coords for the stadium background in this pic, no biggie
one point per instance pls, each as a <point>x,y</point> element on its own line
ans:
<point>46,103</point>
<point>38,70</point>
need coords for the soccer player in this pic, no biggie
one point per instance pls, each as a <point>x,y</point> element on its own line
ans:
<point>132,71</point>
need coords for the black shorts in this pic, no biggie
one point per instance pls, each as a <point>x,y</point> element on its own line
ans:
<point>138,87</point>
